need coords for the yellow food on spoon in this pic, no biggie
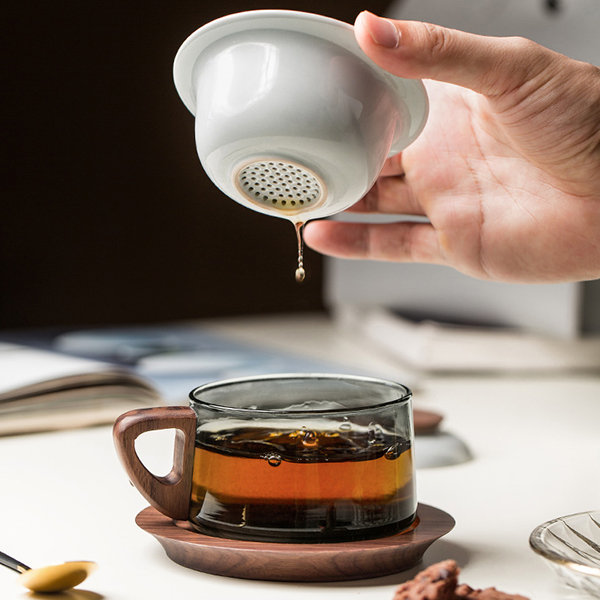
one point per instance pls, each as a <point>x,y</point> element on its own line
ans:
<point>56,578</point>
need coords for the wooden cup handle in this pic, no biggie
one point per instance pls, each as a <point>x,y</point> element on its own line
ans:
<point>169,494</point>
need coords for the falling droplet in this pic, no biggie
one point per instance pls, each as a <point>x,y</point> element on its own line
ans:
<point>274,460</point>
<point>300,272</point>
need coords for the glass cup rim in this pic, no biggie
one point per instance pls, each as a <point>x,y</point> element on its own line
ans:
<point>404,397</point>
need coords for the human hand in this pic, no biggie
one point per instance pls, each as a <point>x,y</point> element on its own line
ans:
<point>506,171</point>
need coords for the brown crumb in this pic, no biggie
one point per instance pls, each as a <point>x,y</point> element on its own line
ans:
<point>466,592</point>
<point>440,582</point>
<point>436,582</point>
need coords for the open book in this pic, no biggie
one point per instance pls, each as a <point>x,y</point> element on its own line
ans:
<point>42,390</point>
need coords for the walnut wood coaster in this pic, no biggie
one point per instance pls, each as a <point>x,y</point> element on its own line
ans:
<point>338,561</point>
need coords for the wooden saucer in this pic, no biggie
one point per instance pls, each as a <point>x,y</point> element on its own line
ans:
<point>338,561</point>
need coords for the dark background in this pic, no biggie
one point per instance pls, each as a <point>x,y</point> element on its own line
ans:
<point>108,216</point>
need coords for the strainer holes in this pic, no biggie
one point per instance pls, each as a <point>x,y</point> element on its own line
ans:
<point>280,184</point>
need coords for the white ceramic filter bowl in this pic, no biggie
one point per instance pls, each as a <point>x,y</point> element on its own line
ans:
<point>292,118</point>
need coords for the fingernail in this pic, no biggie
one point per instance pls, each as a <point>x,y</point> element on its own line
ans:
<point>383,32</point>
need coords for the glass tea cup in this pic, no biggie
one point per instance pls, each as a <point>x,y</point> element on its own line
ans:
<point>283,458</point>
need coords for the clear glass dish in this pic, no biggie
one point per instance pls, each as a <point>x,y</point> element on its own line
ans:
<point>571,546</point>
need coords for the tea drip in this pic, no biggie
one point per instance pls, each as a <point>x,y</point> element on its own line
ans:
<point>300,272</point>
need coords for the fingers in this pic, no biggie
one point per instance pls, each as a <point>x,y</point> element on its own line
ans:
<point>412,49</point>
<point>389,195</point>
<point>399,242</point>
<point>393,166</point>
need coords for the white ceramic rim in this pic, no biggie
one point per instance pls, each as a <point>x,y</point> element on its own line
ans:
<point>331,30</point>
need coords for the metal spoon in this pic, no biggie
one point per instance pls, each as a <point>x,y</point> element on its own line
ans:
<point>54,578</point>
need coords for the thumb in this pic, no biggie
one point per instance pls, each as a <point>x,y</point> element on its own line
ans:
<point>416,50</point>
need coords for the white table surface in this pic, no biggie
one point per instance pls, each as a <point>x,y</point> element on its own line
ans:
<point>535,441</point>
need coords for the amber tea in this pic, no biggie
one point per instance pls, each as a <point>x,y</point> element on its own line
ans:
<point>324,481</point>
